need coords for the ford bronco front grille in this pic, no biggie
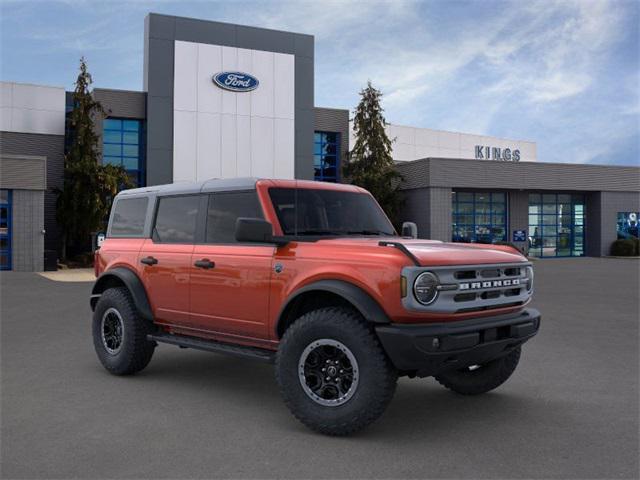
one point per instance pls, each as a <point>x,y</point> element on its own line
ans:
<point>474,287</point>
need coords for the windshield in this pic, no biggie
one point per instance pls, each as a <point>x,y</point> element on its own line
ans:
<point>328,212</point>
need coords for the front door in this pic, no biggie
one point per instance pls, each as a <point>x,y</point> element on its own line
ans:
<point>5,229</point>
<point>230,281</point>
<point>165,259</point>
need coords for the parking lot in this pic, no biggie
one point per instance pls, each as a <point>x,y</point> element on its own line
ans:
<point>570,410</point>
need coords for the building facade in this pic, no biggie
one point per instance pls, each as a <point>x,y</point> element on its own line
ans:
<point>32,126</point>
<point>546,209</point>
<point>223,101</point>
<point>414,143</point>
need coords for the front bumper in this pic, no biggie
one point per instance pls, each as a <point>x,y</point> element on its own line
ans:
<point>426,350</point>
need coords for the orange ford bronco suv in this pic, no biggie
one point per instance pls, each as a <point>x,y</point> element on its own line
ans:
<point>312,277</point>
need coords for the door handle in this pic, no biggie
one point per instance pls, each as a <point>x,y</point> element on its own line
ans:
<point>149,261</point>
<point>204,263</point>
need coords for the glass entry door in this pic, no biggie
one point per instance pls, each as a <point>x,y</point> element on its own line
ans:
<point>5,229</point>
<point>556,225</point>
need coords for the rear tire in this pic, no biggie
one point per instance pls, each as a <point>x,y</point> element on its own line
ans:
<point>357,382</point>
<point>120,333</point>
<point>474,381</point>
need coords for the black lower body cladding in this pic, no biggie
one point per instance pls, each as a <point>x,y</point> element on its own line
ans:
<point>429,349</point>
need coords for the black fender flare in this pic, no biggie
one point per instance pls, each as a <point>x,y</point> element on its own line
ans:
<point>133,284</point>
<point>356,296</point>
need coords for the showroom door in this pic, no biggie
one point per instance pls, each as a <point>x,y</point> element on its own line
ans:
<point>556,225</point>
<point>5,229</point>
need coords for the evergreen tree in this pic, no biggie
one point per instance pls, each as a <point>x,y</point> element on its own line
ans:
<point>84,202</point>
<point>370,163</point>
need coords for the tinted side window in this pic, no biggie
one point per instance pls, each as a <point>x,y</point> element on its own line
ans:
<point>224,210</point>
<point>128,217</point>
<point>176,219</point>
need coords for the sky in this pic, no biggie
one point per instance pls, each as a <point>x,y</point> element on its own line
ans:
<point>565,74</point>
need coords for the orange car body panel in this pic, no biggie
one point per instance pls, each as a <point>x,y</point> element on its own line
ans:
<point>241,299</point>
<point>233,297</point>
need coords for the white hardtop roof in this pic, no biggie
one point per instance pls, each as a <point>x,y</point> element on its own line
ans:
<point>211,185</point>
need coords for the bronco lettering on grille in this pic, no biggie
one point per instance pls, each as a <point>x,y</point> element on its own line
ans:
<point>489,284</point>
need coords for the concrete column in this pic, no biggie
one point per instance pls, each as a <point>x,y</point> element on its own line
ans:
<point>440,214</point>
<point>611,203</point>
<point>593,225</point>
<point>518,218</point>
<point>430,209</point>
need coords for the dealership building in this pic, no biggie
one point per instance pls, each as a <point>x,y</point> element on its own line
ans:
<point>222,101</point>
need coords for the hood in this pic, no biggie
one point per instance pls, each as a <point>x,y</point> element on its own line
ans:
<point>440,253</point>
<point>436,253</point>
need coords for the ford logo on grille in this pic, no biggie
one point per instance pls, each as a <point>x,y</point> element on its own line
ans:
<point>236,81</point>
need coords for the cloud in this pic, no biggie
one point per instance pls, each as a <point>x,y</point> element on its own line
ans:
<point>332,19</point>
<point>546,52</point>
<point>558,61</point>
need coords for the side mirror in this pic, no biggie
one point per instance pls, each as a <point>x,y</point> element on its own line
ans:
<point>250,230</point>
<point>100,237</point>
<point>409,229</point>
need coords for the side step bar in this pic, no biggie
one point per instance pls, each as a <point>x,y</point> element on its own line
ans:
<point>252,353</point>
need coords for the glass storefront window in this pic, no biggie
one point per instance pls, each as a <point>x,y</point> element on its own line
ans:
<point>463,197</point>
<point>326,156</point>
<point>627,225</point>
<point>123,145</point>
<point>556,225</point>
<point>479,217</point>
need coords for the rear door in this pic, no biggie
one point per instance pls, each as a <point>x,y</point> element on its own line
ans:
<point>230,280</point>
<point>165,258</point>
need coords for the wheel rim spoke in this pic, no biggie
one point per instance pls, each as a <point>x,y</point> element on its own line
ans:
<point>112,331</point>
<point>328,372</point>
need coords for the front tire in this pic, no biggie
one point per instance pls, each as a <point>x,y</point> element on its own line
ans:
<point>332,372</point>
<point>120,333</point>
<point>481,378</point>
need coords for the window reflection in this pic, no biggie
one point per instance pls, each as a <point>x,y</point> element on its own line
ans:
<point>479,217</point>
<point>326,158</point>
<point>123,145</point>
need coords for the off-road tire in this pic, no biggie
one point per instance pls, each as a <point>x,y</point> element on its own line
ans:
<point>136,351</point>
<point>377,376</point>
<point>482,380</point>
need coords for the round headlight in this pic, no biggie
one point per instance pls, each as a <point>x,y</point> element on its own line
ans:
<point>425,288</point>
<point>529,274</point>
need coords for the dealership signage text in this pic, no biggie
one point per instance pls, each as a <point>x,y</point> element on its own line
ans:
<point>495,153</point>
<point>236,81</point>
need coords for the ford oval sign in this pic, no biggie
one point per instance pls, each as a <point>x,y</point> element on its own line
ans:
<point>236,81</point>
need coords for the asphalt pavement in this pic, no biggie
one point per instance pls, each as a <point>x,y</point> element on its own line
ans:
<point>569,411</point>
